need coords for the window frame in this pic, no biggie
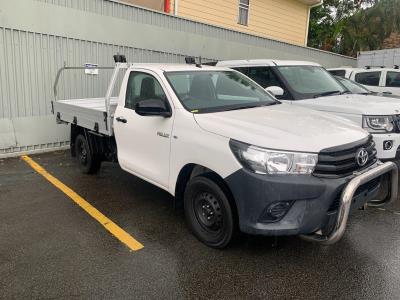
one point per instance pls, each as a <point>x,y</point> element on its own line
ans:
<point>244,7</point>
<point>156,77</point>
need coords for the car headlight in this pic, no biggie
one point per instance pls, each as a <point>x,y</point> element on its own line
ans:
<point>378,123</point>
<point>265,161</point>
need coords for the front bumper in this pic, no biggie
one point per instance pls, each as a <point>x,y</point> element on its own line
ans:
<point>387,154</point>
<point>313,200</point>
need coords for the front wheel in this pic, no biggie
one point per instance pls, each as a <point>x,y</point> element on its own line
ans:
<point>88,162</point>
<point>208,212</point>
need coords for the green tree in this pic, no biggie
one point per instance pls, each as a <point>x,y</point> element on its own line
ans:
<point>328,23</point>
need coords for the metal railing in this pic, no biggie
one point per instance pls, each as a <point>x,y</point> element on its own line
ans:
<point>117,68</point>
<point>347,196</point>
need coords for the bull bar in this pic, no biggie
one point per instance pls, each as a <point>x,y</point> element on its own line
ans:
<point>347,196</point>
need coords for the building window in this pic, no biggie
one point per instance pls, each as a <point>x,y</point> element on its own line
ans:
<point>243,12</point>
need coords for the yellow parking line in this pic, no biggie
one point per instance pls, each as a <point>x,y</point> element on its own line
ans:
<point>113,228</point>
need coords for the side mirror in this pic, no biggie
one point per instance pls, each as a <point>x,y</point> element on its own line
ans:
<point>275,90</point>
<point>153,107</point>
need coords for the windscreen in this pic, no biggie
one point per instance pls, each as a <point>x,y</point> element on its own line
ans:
<point>213,91</point>
<point>310,81</point>
<point>353,87</point>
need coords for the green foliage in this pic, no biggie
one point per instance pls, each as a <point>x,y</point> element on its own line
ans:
<point>347,27</point>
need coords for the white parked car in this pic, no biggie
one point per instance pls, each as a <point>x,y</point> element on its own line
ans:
<point>233,155</point>
<point>309,85</point>
<point>381,80</point>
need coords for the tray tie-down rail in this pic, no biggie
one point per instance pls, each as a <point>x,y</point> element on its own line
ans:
<point>119,65</point>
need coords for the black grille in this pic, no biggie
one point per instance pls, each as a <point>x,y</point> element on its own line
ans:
<point>368,187</point>
<point>396,121</point>
<point>341,161</point>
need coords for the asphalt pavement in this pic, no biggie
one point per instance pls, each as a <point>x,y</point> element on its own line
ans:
<point>52,249</point>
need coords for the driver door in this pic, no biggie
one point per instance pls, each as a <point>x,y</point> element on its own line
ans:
<point>143,141</point>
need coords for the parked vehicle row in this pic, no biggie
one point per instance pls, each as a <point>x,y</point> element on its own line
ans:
<point>376,79</point>
<point>235,157</point>
<point>309,85</point>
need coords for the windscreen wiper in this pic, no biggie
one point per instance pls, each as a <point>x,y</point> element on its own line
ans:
<point>243,107</point>
<point>253,106</point>
<point>327,94</point>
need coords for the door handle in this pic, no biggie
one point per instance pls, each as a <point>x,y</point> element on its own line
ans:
<point>121,119</point>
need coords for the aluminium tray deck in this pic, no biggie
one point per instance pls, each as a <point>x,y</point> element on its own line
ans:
<point>89,113</point>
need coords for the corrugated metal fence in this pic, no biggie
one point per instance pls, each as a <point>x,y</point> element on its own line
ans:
<point>91,31</point>
<point>383,58</point>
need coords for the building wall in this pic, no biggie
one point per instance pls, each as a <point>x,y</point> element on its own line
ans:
<point>37,37</point>
<point>152,4</point>
<point>284,20</point>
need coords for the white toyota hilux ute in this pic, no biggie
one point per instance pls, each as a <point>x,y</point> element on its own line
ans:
<point>309,85</point>
<point>231,154</point>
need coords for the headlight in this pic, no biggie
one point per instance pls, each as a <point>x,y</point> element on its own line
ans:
<point>265,161</point>
<point>378,123</point>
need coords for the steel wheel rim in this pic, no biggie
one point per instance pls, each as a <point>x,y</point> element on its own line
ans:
<point>208,212</point>
<point>82,153</point>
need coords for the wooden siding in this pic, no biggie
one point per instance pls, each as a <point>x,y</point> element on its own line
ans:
<point>152,4</point>
<point>284,20</point>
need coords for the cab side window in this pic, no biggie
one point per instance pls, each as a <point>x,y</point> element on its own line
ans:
<point>368,78</point>
<point>266,77</point>
<point>340,73</point>
<point>243,70</point>
<point>142,86</point>
<point>393,79</point>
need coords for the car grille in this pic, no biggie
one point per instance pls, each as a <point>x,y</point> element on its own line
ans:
<point>341,161</point>
<point>396,121</point>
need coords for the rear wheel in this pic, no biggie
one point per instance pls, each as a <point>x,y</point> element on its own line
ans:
<point>208,212</point>
<point>88,162</point>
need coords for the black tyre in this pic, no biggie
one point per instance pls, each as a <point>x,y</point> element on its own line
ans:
<point>88,163</point>
<point>208,212</point>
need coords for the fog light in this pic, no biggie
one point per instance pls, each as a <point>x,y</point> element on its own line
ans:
<point>276,211</point>
<point>387,145</point>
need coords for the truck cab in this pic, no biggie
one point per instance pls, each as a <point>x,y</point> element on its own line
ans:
<point>309,85</point>
<point>228,152</point>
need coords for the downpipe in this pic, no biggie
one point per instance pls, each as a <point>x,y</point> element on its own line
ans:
<point>347,197</point>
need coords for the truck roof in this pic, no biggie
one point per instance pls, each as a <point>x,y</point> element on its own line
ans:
<point>176,67</point>
<point>365,69</point>
<point>264,62</point>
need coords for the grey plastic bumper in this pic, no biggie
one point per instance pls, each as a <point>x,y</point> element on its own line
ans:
<point>345,201</point>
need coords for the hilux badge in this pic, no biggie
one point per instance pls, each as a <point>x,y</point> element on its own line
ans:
<point>362,157</point>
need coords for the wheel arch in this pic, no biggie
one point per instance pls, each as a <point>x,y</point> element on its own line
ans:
<point>192,170</point>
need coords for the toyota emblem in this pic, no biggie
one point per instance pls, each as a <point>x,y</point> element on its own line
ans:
<point>362,157</point>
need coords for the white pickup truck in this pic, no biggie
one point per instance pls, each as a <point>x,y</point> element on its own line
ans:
<point>309,85</point>
<point>231,154</point>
